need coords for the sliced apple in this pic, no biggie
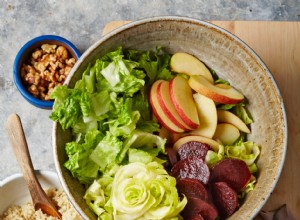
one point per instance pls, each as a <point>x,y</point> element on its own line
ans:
<point>226,133</point>
<point>189,65</point>
<point>229,117</point>
<point>207,113</point>
<point>158,112</point>
<point>165,101</point>
<point>224,94</point>
<point>214,144</point>
<point>182,98</point>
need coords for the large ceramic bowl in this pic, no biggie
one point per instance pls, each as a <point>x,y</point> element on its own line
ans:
<point>233,60</point>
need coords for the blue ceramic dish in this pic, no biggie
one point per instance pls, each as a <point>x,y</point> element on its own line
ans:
<point>23,55</point>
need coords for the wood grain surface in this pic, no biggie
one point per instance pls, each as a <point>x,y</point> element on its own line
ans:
<point>278,45</point>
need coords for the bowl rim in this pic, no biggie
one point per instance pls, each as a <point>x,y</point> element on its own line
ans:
<point>15,176</point>
<point>18,59</point>
<point>194,21</point>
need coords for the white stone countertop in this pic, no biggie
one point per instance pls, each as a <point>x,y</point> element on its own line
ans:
<point>82,22</point>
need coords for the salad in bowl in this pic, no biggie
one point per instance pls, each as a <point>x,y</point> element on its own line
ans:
<point>162,128</point>
<point>128,108</point>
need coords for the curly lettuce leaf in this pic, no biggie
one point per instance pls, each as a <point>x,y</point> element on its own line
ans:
<point>145,191</point>
<point>143,140</point>
<point>213,157</point>
<point>246,151</point>
<point>66,109</point>
<point>79,162</point>
<point>106,151</point>
<point>155,63</point>
<point>217,79</point>
<point>243,150</point>
<point>243,114</point>
<point>248,188</point>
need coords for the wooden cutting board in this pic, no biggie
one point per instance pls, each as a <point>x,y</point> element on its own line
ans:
<point>278,45</point>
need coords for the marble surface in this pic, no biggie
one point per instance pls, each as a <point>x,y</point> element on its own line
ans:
<point>82,22</point>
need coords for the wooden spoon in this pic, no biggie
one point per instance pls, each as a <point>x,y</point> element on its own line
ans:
<point>18,142</point>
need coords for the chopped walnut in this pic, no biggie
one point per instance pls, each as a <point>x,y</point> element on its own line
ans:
<point>47,67</point>
<point>37,54</point>
<point>71,61</point>
<point>62,52</point>
<point>48,48</point>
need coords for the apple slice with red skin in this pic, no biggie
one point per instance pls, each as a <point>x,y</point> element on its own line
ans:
<point>229,117</point>
<point>188,64</point>
<point>182,98</point>
<point>165,101</point>
<point>214,144</point>
<point>158,112</point>
<point>220,93</point>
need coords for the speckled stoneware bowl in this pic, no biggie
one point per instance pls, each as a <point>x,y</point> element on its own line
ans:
<point>233,60</point>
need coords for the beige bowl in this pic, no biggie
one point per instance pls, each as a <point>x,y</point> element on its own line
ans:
<point>233,60</point>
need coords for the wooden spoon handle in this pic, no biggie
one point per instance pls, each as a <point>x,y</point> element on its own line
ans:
<point>19,144</point>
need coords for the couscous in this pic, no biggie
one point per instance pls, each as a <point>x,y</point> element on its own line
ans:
<point>27,212</point>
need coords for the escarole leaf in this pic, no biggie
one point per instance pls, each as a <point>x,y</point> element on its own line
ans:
<point>217,79</point>
<point>249,187</point>
<point>141,191</point>
<point>97,197</point>
<point>67,109</point>
<point>213,157</point>
<point>243,114</point>
<point>136,191</point>
<point>155,63</point>
<point>246,151</point>
<point>79,163</point>
<point>149,143</point>
<point>106,151</point>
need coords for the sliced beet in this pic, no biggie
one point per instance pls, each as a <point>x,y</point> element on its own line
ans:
<point>192,168</point>
<point>196,217</point>
<point>192,188</point>
<point>193,149</point>
<point>196,206</point>
<point>225,199</point>
<point>234,172</point>
<point>171,153</point>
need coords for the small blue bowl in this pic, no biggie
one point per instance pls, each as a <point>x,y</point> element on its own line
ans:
<point>23,56</point>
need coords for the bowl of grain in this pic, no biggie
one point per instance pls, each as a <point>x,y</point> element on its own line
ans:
<point>15,202</point>
<point>40,65</point>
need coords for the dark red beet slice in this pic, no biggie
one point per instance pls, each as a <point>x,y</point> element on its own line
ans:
<point>195,217</point>
<point>232,171</point>
<point>191,167</point>
<point>225,199</point>
<point>192,188</point>
<point>196,206</point>
<point>171,155</point>
<point>193,149</point>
